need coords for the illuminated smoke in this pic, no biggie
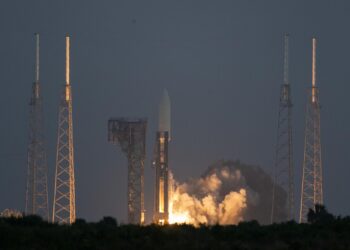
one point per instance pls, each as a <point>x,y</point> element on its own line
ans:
<point>200,200</point>
<point>227,193</point>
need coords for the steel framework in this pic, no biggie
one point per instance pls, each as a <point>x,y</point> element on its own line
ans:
<point>312,188</point>
<point>36,191</point>
<point>161,206</point>
<point>130,134</point>
<point>284,167</point>
<point>64,196</point>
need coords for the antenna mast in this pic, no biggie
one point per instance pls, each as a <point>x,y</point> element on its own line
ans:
<point>36,191</point>
<point>64,197</point>
<point>284,165</point>
<point>312,183</point>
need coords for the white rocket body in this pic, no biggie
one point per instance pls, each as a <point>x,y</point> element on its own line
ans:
<point>164,113</point>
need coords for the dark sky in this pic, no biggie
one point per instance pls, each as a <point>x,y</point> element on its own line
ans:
<point>221,62</point>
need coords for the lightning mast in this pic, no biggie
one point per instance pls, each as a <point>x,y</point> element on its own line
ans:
<point>311,189</point>
<point>161,206</point>
<point>36,191</point>
<point>283,168</point>
<point>130,134</point>
<point>64,196</point>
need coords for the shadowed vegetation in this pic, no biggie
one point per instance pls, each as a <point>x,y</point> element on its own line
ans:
<point>324,231</point>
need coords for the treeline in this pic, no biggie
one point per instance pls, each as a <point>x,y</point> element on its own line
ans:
<point>324,231</point>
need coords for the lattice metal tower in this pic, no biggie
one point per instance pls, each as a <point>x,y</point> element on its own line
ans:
<point>283,168</point>
<point>36,192</point>
<point>130,134</point>
<point>311,189</point>
<point>64,197</point>
<point>161,204</point>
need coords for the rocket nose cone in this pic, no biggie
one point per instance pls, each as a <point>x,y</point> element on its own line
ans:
<point>164,112</point>
<point>165,98</point>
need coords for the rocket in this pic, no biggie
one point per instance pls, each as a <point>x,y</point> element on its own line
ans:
<point>164,113</point>
<point>161,206</point>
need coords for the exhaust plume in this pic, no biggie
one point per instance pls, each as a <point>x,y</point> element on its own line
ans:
<point>227,193</point>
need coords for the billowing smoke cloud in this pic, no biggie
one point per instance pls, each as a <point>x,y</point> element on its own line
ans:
<point>227,193</point>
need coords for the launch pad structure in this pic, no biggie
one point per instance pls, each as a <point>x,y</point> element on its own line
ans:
<point>36,190</point>
<point>284,166</point>
<point>130,134</point>
<point>312,183</point>
<point>64,193</point>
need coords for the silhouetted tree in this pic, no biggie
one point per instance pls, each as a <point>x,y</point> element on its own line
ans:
<point>108,220</point>
<point>319,215</point>
<point>29,220</point>
<point>79,222</point>
<point>33,233</point>
<point>249,224</point>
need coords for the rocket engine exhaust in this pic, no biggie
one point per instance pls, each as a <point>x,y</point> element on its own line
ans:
<point>227,193</point>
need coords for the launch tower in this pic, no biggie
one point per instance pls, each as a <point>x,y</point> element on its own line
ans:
<point>36,191</point>
<point>64,196</point>
<point>311,189</point>
<point>283,168</point>
<point>131,136</point>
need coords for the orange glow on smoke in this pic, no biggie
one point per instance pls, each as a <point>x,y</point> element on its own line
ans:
<point>209,209</point>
